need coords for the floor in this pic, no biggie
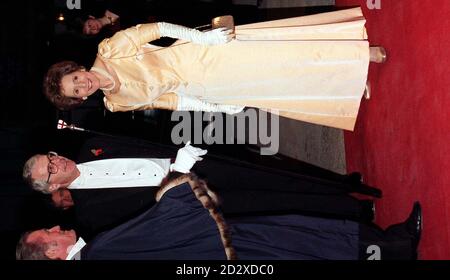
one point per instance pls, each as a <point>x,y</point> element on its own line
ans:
<point>400,142</point>
<point>319,145</point>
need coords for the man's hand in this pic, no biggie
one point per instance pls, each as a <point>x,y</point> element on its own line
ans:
<point>186,158</point>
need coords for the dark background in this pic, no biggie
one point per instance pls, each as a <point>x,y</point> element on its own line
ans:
<point>31,40</point>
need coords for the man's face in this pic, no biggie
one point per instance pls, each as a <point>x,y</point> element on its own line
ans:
<point>67,170</point>
<point>62,199</point>
<point>60,241</point>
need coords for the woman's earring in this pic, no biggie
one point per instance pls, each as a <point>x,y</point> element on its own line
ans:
<point>84,97</point>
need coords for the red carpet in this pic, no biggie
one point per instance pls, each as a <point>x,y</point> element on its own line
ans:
<point>401,143</point>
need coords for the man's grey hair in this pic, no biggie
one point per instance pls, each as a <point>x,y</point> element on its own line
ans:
<point>38,185</point>
<point>31,250</point>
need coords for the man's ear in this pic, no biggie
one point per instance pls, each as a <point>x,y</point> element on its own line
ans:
<point>52,252</point>
<point>54,187</point>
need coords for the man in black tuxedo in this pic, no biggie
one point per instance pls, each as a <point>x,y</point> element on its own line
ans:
<point>245,188</point>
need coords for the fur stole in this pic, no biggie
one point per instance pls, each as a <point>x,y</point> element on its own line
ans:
<point>210,201</point>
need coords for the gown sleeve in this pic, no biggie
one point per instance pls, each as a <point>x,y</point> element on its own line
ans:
<point>167,101</point>
<point>129,41</point>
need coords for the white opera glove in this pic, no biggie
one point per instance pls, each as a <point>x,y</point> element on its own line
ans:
<point>188,103</point>
<point>186,158</point>
<point>213,37</point>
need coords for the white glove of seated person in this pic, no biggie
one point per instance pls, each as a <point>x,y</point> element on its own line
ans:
<point>188,103</point>
<point>213,37</point>
<point>186,158</point>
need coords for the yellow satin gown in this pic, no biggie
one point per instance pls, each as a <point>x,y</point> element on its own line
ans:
<point>311,68</point>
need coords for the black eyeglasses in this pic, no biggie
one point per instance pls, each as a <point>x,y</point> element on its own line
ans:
<point>51,168</point>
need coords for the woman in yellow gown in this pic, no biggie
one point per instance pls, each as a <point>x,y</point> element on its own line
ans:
<point>311,68</point>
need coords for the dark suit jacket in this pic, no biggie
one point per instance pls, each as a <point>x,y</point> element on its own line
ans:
<point>178,227</point>
<point>101,209</point>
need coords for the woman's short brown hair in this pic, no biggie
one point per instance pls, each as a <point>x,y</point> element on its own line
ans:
<point>52,85</point>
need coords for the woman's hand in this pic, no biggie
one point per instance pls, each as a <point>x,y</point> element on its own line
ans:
<point>230,109</point>
<point>191,103</point>
<point>218,36</point>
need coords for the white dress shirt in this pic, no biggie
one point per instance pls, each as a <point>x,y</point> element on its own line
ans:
<point>121,173</point>
<point>75,251</point>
